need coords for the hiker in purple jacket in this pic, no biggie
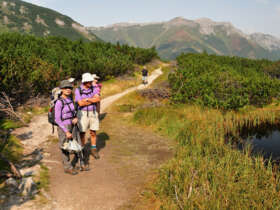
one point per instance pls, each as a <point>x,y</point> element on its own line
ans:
<point>87,96</point>
<point>65,117</point>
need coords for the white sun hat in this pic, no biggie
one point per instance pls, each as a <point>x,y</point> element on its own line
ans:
<point>87,77</point>
<point>94,76</point>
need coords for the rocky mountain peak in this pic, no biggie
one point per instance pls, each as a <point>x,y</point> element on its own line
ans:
<point>266,41</point>
<point>177,21</point>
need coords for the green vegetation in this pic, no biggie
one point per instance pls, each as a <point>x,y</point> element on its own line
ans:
<point>33,65</point>
<point>13,149</point>
<point>23,17</point>
<point>44,178</point>
<point>224,82</point>
<point>207,171</point>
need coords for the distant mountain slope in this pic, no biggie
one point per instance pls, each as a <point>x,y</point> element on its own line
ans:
<point>23,17</point>
<point>181,35</point>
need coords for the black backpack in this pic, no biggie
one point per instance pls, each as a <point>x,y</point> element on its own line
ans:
<point>51,113</point>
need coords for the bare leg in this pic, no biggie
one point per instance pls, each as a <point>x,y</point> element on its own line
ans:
<point>93,139</point>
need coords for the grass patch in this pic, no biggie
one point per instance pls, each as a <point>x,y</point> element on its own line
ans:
<point>44,178</point>
<point>162,78</point>
<point>6,124</point>
<point>207,173</point>
<point>43,183</point>
<point>117,85</point>
<point>30,112</point>
<point>52,139</point>
<point>13,151</point>
<point>126,108</point>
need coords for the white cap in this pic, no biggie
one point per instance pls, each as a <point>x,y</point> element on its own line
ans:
<point>71,79</point>
<point>94,76</point>
<point>87,77</point>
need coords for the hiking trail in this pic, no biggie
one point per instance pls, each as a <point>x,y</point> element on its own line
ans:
<point>128,153</point>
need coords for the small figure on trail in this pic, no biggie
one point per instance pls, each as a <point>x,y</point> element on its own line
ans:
<point>98,87</point>
<point>65,118</point>
<point>145,75</point>
<point>86,97</point>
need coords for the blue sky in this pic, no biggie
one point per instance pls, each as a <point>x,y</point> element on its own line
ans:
<point>248,15</point>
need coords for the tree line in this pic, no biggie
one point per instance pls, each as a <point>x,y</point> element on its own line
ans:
<point>224,82</point>
<point>32,65</point>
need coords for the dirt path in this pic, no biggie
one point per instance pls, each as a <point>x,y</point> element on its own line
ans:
<point>127,155</point>
<point>109,100</point>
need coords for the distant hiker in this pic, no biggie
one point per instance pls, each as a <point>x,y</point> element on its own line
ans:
<point>65,118</point>
<point>98,87</point>
<point>145,75</point>
<point>87,96</point>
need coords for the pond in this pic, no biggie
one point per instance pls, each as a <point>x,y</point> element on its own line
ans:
<point>267,144</point>
<point>263,140</point>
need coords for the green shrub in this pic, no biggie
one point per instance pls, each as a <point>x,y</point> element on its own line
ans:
<point>223,82</point>
<point>32,65</point>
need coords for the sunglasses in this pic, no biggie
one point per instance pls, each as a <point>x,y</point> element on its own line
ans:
<point>68,88</point>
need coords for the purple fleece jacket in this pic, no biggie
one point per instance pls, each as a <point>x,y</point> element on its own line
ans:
<point>66,114</point>
<point>89,94</point>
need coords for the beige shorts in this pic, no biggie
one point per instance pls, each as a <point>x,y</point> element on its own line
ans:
<point>88,120</point>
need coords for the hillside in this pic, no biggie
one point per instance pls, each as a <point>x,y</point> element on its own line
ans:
<point>23,17</point>
<point>181,35</point>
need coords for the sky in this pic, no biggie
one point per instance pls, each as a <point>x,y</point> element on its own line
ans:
<point>248,15</point>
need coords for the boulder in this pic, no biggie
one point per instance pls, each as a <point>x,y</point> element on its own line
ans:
<point>12,185</point>
<point>28,187</point>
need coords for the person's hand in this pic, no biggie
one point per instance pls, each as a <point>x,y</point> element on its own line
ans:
<point>75,120</point>
<point>68,135</point>
<point>95,99</point>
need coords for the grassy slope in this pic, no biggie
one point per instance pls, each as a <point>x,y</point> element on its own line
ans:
<point>17,20</point>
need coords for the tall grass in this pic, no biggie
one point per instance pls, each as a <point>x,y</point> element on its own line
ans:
<point>207,173</point>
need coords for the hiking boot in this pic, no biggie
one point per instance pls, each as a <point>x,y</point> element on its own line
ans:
<point>77,168</point>
<point>71,171</point>
<point>95,154</point>
<point>85,168</point>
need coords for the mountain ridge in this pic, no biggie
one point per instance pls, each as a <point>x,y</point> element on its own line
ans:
<point>183,35</point>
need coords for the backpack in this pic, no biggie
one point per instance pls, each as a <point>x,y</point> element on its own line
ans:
<point>56,93</point>
<point>51,113</point>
